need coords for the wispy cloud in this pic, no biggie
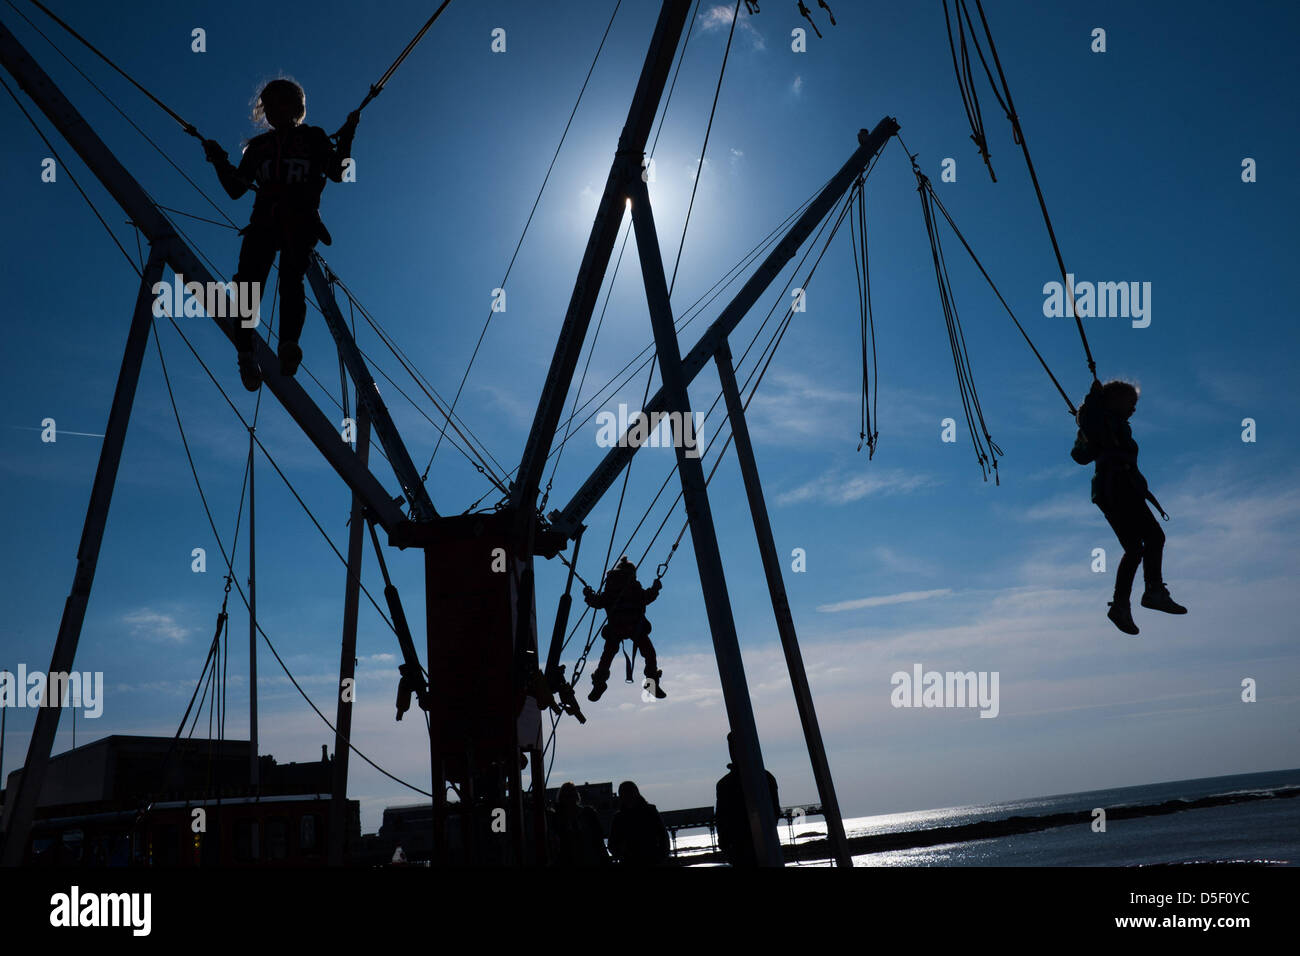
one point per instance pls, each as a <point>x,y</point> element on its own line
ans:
<point>834,488</point>
<point>902,563</point>
<point>797,409</point>
<point>719,18</point>
<point>797,86</point>
<point>701,168</point>
<point>1055,473</point>
<point>514,408</point>
<point>153,625</point>
<point>1074,506</point>
<point>906,597</point>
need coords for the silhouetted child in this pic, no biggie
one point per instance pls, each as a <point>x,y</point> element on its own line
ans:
<point>287,165</point>
<point>1121,492</point>
<point>624,601</point>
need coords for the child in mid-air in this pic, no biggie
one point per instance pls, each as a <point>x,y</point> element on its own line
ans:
<point>624,601</point>
<point>287,165</point>
<point>1121,492</point>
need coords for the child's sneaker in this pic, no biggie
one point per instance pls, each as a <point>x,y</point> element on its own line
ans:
<point>290,356</point>
<point>1158,599</point>
<point>249,373</point>
<point>1122,617</point>
<point>652,681</point>
<point>597,690</point>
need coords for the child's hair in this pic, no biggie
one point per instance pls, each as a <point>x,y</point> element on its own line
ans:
<point>285,86</point>
<point>1118,393</point>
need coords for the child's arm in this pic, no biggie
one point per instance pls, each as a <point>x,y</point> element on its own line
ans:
<point>234,181</point>
<point>592,598</point>
<point>343,151</point>
<point>652,591</point>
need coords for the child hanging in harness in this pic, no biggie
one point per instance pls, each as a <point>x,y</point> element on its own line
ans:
<point>1121,492</point>
<point>624,601</point>
<point>287,165</point>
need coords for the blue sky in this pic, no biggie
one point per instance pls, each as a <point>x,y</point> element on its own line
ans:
<point>1139,150</point>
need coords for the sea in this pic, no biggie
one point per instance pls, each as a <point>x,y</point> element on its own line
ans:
<point>1260,831</point>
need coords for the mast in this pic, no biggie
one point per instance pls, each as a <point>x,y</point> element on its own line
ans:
<point>348,654</point>
<point>28,789</point>
<point>253,780</point>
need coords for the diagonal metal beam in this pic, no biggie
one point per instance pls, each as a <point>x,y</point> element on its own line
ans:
<point>368,395</point>
<point>570,519</point>
<point>595,260</point>
<point>781,608</point>
<point>28,790</point>
<point>338,829</point>
<point>704,539</point>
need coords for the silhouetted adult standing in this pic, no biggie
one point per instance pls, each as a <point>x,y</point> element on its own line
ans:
<point>576,835</point>
<point>637,836</point>
<point>732,815</point>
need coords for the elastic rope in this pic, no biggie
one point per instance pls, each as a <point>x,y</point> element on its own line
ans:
<point>708,130</point>
<point>979,265</point>
<point>378,87</point>
<point>59,159</point>
<point>188,127</point>
<point>1018,130</point>
<point>460,388</point>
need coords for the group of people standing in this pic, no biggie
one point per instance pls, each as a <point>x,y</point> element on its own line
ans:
<point>637,835</point>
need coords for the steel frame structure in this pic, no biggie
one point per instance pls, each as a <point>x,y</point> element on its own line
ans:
<point>530,534</point>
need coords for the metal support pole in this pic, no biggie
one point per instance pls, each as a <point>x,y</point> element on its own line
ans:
<point>595,260</point>
<point>731,668</point>
<point>438,787</point>
<point>254,778</point>
<point>537,768</point>
<point>617,458</point>
<point>781,608</point>
<point>92,537</point>
<point>348,654</point>
<point>552,670</point>
<point>515,781</point>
